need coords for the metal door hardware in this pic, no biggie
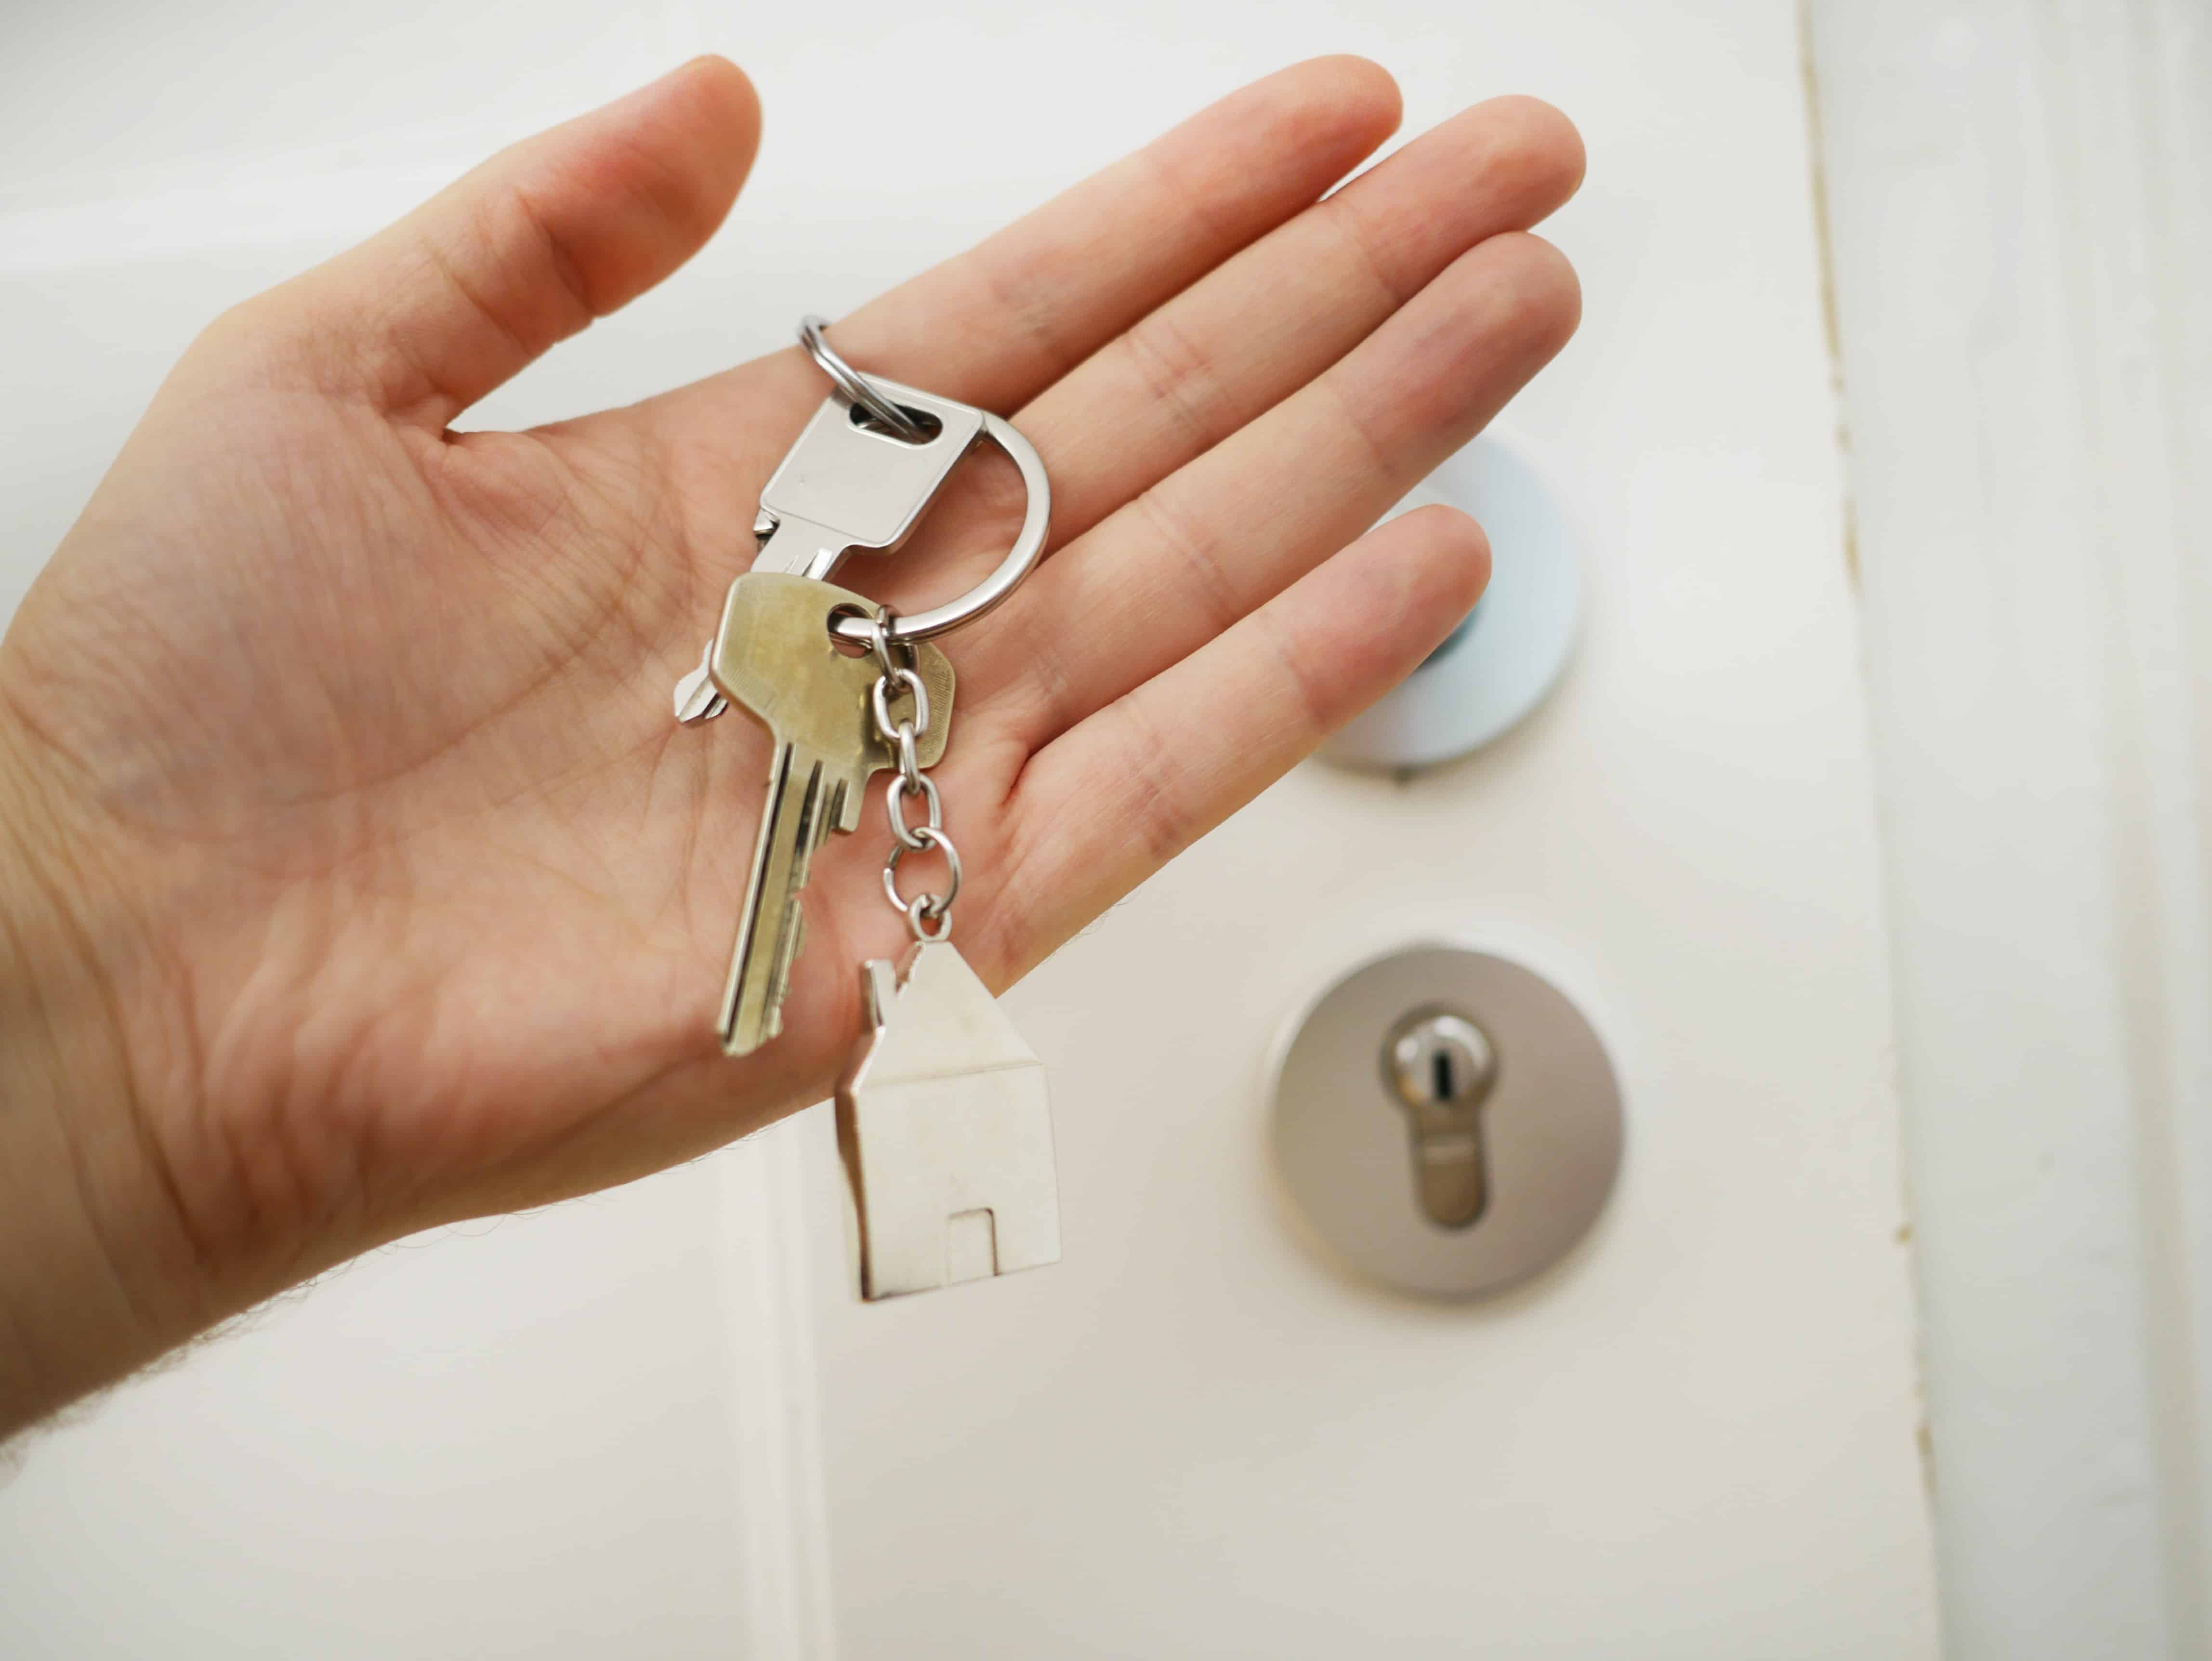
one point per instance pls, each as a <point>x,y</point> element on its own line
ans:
<point>1498,663</point>
<point>1494,1083</point>
<point>1441,1067</point>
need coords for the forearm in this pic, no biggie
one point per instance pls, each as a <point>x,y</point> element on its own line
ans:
<point>97,1274</point>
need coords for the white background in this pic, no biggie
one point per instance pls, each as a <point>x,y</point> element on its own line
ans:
<point>596,1430</point>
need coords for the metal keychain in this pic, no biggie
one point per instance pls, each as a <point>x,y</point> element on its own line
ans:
<point>929,916</point>
<point>943,1121</point>
<point>849,482</point>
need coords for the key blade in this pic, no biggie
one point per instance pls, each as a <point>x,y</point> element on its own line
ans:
<point>800,548</point>
<point>771,926</point>
<point>773,658</point>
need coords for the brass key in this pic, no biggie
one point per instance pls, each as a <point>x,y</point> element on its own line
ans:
<point>775,656</point>
<point>845,484</point>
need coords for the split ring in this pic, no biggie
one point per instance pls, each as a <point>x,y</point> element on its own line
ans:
<point>854,385</point>
<point>876,397</point>
<point>992,591</point>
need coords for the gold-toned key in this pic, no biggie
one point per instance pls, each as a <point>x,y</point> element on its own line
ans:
<point>774,655</point>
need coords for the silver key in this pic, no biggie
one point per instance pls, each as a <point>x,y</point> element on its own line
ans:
<point>845,484</point>
<point>774,656</point>
<point>945,1132</point>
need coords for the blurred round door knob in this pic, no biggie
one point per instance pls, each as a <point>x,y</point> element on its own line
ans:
<point>1501,661</point>
<point>1447,1121</point>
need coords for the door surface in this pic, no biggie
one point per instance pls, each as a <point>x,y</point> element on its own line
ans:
<point>655,1423</point>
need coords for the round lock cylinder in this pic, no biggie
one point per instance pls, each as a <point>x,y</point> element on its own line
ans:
<point>1442,1066</point>
<point>1448,1120</point>
<point>1437,1059</point>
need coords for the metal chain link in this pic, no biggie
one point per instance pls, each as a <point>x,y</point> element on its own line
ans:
<point>928,916</point>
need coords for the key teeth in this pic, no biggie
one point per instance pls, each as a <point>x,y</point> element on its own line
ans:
<point>796,934</point>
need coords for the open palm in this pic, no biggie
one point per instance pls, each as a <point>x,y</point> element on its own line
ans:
<point>366,722</point>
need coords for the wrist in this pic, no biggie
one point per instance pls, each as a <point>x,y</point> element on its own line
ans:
<point>98,1274</point>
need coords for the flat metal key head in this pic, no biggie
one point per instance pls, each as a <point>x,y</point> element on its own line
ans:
<point>848,482</point>
<point>774,656</point>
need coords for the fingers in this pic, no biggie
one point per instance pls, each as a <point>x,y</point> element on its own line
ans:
<point>1217,539</point>
<point>1000,323</point>
<point>1275,315</point>
<point>432,313</point>
<point>1107,804</point>
<point>996,325</point>
<point>1228,347</point>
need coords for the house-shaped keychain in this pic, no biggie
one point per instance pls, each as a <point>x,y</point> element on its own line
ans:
<point>945,1132</point>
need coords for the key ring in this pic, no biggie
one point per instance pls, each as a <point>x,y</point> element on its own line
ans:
<point>876,396</point>
<point>993,590</point>
<point>854,385</point>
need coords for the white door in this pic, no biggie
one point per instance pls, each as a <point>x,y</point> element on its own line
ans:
<point>655,1423</point>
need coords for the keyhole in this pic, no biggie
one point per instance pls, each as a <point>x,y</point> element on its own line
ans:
<point>1440,1067</point>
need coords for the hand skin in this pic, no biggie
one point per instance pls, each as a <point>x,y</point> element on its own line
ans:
<point>353,875</point>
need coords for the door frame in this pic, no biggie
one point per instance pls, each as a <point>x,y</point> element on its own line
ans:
<point>2018,224</point>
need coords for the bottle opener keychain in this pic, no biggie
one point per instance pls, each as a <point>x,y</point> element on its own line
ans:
<point>943,1123</point>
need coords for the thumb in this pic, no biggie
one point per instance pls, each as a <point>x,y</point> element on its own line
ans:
<point>431,314</point>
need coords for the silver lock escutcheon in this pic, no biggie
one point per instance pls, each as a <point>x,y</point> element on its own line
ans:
<point>1447,1121</point>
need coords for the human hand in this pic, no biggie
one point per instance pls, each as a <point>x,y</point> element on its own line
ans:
<point>356,877</point>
